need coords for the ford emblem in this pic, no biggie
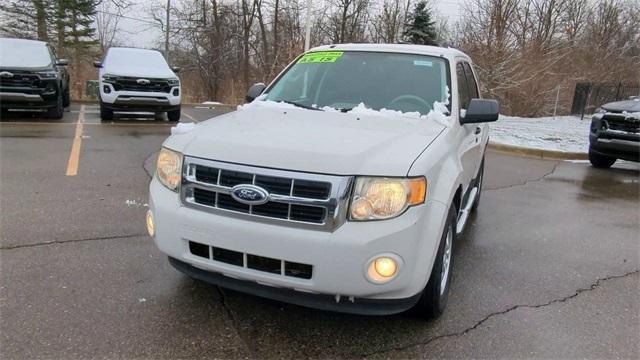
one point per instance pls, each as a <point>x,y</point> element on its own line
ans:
<point>249,194</point>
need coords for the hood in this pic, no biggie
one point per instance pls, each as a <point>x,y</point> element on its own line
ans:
<point>311,141</point>
<point>620,106</point>
<point>139,72</point>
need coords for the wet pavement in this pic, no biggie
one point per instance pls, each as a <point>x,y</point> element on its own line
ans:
<point>548,268</point>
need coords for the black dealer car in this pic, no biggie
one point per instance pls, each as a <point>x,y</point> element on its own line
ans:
<point>31,77</point>
<point>615,133</point>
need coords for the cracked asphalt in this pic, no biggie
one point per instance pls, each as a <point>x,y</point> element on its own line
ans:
<point>548,268</point>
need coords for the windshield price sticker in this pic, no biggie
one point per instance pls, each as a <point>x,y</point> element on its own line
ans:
<point>320,57</point>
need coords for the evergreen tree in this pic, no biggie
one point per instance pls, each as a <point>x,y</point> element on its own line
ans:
<point>25,19</point>
<point>78,19</point>
<point>421,28</point>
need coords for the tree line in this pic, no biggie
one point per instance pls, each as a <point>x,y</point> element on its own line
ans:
<point>527,52</point>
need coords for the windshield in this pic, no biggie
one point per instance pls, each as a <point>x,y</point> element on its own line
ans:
<point>120,58</point>
<point>344,79</point>
<point>24,54</point>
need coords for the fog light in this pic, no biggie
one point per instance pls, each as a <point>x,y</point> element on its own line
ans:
<point>382,269</point>
<point>151,226</point>
<point>106,89</point>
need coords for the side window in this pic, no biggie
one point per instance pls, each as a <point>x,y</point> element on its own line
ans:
<point>463,89</point>
<point>471,81</point>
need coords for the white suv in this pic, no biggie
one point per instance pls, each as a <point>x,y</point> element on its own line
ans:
<point>137,80</point>
<point>341,186</point>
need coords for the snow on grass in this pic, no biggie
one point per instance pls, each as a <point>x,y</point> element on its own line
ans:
<point>564,133</point>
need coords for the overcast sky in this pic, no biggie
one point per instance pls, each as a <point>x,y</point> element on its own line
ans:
<point>138,32</point>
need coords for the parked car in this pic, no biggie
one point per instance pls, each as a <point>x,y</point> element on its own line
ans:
<point>137,80</point>
<point>32,77</point>
<point>615,133</point>
<point>342,186</point>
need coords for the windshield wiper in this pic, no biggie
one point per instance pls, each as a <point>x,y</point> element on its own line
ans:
<point>301,105</point>
<point>345,110</point>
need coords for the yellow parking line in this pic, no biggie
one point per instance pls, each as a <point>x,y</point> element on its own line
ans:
<point>190,117</point>
<point>74,157</point>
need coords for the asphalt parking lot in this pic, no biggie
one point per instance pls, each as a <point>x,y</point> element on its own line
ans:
<point>548,268</point>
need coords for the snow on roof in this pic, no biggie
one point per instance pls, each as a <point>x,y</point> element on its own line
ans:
<point>23,41</point>
<point>400,48</point>
<point>132,50</point>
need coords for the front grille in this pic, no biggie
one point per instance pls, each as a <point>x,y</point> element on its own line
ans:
<point>250,261</point>
<point>22,79</point>
<point>293,197</point>
<point>621,122</point>
<point>131,84</point>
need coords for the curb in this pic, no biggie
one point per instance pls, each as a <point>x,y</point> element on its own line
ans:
<point>537,153</point>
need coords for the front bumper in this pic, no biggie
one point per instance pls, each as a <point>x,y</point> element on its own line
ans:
<point>616,145</point>
<point>339,258</point>
<point>27,98</point>
<point>139,101</point>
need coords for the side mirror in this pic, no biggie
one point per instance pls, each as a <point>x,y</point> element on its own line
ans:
<point>176,69</point>
<point>97,64</point>
<point>481,110</point>
<point>62,62</point>
<point>254,91</point>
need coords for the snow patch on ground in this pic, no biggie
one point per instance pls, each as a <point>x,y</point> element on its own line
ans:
<point>211,103</point>
<point>564,133</point>
<point>135,203</point>
<point>183,128</point>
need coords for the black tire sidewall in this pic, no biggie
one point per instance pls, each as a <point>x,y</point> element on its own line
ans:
<point>433,301</point>
<point>57,111</point>
<point>600,161</point>
<point>174,115</point>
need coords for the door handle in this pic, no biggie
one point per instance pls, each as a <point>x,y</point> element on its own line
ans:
<point>478,130</point>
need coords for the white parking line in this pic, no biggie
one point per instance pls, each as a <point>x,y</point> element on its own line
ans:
<point>190,117</point>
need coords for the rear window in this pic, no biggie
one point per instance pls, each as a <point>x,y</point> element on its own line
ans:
<point>24,54</point>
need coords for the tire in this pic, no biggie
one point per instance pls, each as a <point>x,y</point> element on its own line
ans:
<point>174,115</point>
<point>66,98</point>
<point>105,114</point>
<point>57,111</point>
<point>600,161</point>
<point>479,182</point>
<point>436,293</point>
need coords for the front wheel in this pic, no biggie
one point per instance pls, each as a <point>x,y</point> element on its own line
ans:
<point>66,97</point>
<point>600,161</point>
<point>106,114</point>
<point>436,293</point>
<point>174,115</point>
<point>57,111</point>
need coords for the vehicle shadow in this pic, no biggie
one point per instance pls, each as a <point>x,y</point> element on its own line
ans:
<point>30,116</point>
<point>290,331</point>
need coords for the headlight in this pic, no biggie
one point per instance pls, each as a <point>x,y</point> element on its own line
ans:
<point>169,168</point>
<point>109,78</point>
<point>385,198</point>
<point>47,74</point>
<point>173,82</point>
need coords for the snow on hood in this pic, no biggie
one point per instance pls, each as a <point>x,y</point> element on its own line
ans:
<point>282,136</point>
<point>136,63</point>
<point>19,53</point>
<point>631,106</point>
